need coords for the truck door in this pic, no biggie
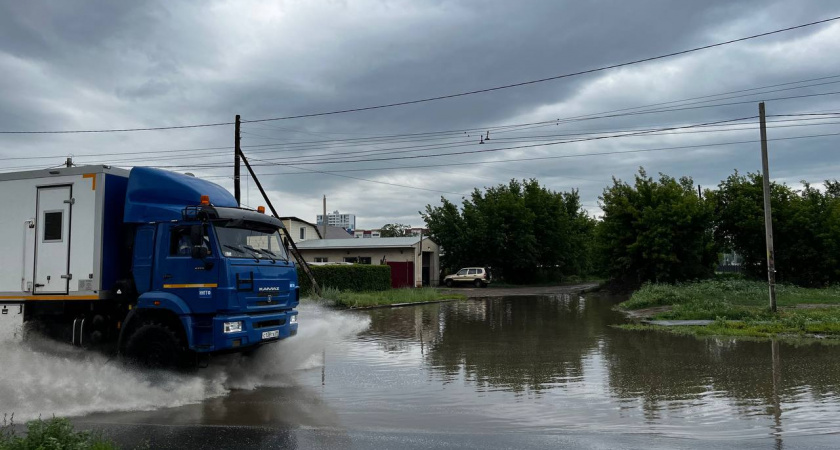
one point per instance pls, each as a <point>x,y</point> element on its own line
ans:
<point>193,280</point>
<point>52,240</point>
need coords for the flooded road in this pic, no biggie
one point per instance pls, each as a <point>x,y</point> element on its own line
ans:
<point>508,372</point>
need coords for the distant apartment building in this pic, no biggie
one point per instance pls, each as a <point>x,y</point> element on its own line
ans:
<point>336,219</point>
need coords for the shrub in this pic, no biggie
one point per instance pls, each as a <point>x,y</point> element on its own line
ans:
<point>55,433</point>
<point>355,277</point>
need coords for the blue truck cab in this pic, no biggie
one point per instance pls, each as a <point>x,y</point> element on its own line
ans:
<point>206,276</point>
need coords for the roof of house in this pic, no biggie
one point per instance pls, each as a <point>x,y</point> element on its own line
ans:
<point>395,242</point>
<point>297,219</point>
<point>337,233</point>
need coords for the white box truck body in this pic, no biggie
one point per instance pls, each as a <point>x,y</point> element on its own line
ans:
<point>59,217</point>
<point>160,266</point>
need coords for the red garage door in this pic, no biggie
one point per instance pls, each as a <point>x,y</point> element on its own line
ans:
<point>402,274</point>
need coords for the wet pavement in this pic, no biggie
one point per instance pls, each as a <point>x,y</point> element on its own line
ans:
<point>506,372</point>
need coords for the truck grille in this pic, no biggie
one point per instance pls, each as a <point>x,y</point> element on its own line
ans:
<point>270,323</point>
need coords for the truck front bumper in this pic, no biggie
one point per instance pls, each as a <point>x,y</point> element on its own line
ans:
<point>253,330</point>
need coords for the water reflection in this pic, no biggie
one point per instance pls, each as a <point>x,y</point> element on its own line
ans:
<point>510,343</point>
<point>562,349</point>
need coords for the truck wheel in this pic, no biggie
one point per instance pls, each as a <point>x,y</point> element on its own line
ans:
<point>448,283</point>
<point>156,345</point>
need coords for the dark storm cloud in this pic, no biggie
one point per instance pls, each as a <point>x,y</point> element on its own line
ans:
<point>125,64</point>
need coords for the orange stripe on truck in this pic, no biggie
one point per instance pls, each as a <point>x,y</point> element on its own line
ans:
<point>181,286</point>
<point>93,176</point>
<point>50,297</point>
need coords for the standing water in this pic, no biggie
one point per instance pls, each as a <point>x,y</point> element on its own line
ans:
<point>521,366</point>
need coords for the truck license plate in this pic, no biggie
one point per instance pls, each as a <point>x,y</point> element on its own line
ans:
<point>271,334</point>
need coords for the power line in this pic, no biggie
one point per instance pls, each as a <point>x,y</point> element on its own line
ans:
<point>117,153</point>
<point>543,158</point>
<point>719,95</point>
<point>648,112</point>
<point>648,132</point>
<point>496,129</point>
<point>120,130</point>
<point>559,121</point>
<point>729,127</point>
<point>541,80</point>
<point>520,146</point>
<point>726,127</point>
<point>512,127</point>
<point>485,150</point>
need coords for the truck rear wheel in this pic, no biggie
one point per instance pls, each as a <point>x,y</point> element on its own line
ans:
<point>154,344</point>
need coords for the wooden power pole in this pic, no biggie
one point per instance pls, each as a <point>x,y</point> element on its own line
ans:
<point>324,223</point>
<point>237,150</point>
<point>292,247</point>
<point>768,217</point>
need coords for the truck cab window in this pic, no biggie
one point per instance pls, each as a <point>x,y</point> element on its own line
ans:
<point>239,242</point>
<point>180,243</point>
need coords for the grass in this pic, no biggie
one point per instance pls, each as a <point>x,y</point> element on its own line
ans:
<point>740,308</point>
<point>350,299</point>
<point>738,330</point>
<point>52,434</point>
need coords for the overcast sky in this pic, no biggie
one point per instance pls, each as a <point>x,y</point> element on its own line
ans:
<point>104,65</point>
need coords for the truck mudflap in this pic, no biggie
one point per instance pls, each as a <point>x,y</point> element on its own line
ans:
<point>241,331</point>
<point>11,322</point>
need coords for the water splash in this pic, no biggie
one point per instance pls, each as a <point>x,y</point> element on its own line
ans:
<point>46,378</point>
<point>273,365</point>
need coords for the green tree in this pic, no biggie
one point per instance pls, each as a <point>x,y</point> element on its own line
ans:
<point>655,230</point>
<point>806,228</point>
<point>394,230</point>
<point>521,229</point>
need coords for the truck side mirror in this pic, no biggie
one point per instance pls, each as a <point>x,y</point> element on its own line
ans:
<point>200,251</point>
<point>196,235</point>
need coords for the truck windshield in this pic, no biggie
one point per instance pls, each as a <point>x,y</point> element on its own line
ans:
<point>238,242</point>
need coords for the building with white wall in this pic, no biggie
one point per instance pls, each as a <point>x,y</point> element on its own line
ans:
<point>414,262</point>
<point>301,230</point>
<point>336,219</point>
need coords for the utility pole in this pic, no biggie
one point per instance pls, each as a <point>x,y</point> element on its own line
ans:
<point>292,247</point>
<point>237,193</point>
<point>768,219</point>
<point>324,225</point>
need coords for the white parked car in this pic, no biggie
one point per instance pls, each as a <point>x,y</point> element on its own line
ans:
<point>477,276</point>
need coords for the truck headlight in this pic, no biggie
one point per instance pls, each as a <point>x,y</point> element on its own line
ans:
<point>232,327</point>
<point>293,319</point>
